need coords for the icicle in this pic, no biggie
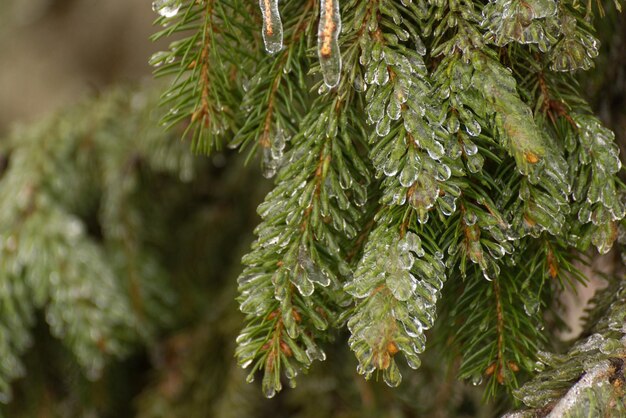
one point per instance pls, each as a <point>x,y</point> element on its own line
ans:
<point>272,26</point>
<point>328,47</point>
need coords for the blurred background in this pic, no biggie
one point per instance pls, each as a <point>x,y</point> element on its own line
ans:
<point>56,53</point>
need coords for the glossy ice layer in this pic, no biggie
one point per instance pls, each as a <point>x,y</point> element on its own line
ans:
<point>272,26</point>
<point>327,42</point>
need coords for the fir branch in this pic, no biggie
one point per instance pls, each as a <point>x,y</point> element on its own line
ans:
<point>589,378</point>
<point>596,207</point>
<point>299,245</point>
<point>497,339</point>
<point>397,284</point>
<point>203,94</point>
<point>276,94</point>
<point>463,163</point>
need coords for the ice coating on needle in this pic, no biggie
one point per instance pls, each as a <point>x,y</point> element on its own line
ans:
<point>167,8</point>
<point>272,26</point>
<point>397,283</point>
<point>273,146</point>
<point>327,44</point>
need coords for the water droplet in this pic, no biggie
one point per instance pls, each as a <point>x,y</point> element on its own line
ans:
<point>270,384</point>
<point>250,378</point>
<point>531,306</point>
<point>477,379</point>
<point>268,164</point>
<point>472,127</point>
<point>392,375</point>
<point>419,46</point>
<point>413,362</point>
<point>167,8</point>
<point>453,124</point>
<point>358,83</point>
<point>383,126</point>
<point>539,366</point>
<point>158,58</point>
<point>414,243</point>
<point>470,218</point>
<point>469,147</point>
<point>300,278</point>
<point>315,353</point>
<point>409,174</point>
<point>447,204</point>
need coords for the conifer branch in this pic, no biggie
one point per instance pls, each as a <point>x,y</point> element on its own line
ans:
<point>491,175</point>
<point>589,378</point>
<point>276,95</point>
<point>203,95</point>
<point>286,320</point>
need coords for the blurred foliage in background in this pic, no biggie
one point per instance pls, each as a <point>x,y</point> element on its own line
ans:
<point>120,253</point>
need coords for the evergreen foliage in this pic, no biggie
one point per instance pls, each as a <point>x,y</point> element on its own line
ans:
<point>439,179</point>
<point>186,212</point>
<point>445,152</point>
<point>587,380</point>
<point>51,260</point>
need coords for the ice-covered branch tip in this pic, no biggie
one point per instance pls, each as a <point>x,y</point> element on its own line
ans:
<point>327,42</point>
<point>272,26</point>
<point>327,36</point>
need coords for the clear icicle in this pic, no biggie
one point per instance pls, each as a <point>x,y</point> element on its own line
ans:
<point>272,26</point>
<point>327,44</point>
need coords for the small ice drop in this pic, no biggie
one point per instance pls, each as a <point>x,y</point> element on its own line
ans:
<point>167,8</point>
